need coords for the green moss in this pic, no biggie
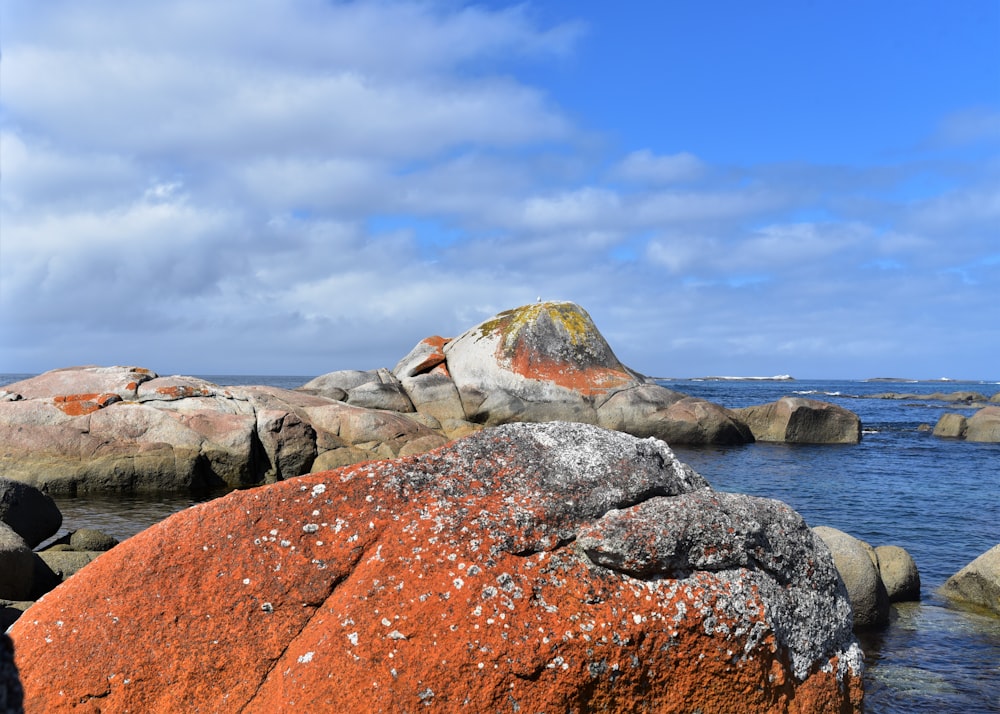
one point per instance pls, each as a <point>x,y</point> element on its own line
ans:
<point>509,323</point>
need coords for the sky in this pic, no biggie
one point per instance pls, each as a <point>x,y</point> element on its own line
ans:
<point>291,188</point>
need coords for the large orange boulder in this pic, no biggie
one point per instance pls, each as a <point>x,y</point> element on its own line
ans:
<point>529,567</point>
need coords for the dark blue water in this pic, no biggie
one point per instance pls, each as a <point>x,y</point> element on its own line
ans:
<point>900,486</point>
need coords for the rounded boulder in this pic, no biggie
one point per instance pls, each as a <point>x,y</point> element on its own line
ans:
<point>978,583</point>
<point>858,567</point>
<point>505,571</point>
<point>899,573</point>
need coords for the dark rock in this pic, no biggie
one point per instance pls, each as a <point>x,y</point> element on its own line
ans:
<point>16,565</point>
<point>11,693</point>
<point>32,514</point>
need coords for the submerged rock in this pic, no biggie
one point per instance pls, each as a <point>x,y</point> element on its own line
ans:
<point>539,567</point>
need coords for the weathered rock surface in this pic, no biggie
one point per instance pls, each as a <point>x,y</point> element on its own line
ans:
<point>797,420</point>
<point>548,361</point>
<point>978,583</point>
<point>951,426</point>
<point>982,426</point>
<point>127,429</point>
<point>546,567</point>
<point>899,573</point>
<point>30,513</point>
<point>857,564</point>
<point>181,433</point>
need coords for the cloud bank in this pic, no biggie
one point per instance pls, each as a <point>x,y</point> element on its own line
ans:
<point>291,188</point>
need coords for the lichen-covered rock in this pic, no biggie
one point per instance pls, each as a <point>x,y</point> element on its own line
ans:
<point>547,361</point>
<point>978,583</point>
<point>176,434</point>
<point>899,573</point>
<point>81,390</point>
<point>32,514</point>
<point>796,420</point>
<point>857,564</point>
<point>427,355</point>
<point>552,567</point>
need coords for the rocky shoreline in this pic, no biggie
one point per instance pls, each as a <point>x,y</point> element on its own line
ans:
<point>128,429</point>
<point>498,516</point>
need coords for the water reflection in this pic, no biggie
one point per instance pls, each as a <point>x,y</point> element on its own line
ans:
<point>121,516</point>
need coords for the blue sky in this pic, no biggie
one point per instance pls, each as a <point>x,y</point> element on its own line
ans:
<point>265,187</point>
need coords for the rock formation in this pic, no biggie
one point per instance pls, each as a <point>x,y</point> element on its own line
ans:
<point>127,429</point>
<point>857,564</point>
<point>982,426</point>
<point>531,567</point>
<point>978,583</point>
<point>796,420</point>
<point>898,572</point>
<point>11,693</point>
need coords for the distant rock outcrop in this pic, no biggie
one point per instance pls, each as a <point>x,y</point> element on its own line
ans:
<point>531,567</point>
<point>548,361</point>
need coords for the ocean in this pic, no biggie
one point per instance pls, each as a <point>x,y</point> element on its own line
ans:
<point>936,498</point>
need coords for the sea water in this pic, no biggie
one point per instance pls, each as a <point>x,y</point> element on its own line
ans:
<point>937,498</point>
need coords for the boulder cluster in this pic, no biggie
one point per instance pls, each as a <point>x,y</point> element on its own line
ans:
<point>527,567</point>
<point>984,425</point>
<point>874,577</point>
<point>28,518</point>
<point>126,429</point>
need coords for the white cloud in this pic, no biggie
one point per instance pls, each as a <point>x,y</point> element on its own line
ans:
<point>295,187</point>
<point>644,167</point>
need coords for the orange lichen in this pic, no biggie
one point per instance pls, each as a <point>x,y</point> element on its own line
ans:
<point>435,358</point>
<point>589,381</point>
<point>81,404</point>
